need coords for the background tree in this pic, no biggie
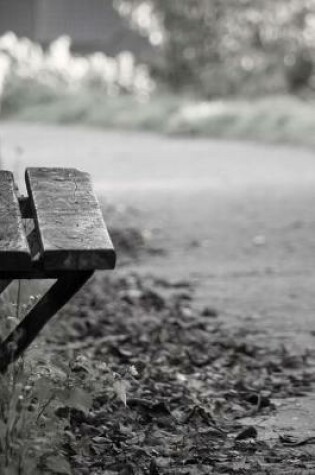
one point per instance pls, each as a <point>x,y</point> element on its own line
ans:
<point>222,47</point>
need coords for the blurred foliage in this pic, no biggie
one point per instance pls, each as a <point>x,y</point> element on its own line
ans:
<point>224,47</point>
<point>30,75</point>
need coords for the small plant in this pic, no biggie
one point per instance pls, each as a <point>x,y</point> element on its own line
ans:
<point>28,432</point>
<point>36,406</point>
<point>37,396</point>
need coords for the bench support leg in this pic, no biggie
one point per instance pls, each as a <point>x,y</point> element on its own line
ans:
<point>23,335</point>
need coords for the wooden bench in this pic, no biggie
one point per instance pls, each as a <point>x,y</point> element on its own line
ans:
<point>67,240</point>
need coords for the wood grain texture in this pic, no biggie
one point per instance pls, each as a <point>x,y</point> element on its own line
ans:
<point>72,232</point>
<point>14,250</point>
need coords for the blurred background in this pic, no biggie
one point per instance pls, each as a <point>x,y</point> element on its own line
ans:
<point>202,67</point>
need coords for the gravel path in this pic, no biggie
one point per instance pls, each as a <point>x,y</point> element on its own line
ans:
<point>141,163</point>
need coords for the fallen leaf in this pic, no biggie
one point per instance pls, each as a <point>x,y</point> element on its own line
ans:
<point>248,433</point>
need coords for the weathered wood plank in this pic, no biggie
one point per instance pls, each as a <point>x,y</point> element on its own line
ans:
<point>14,251</point>
<point>73,235</point>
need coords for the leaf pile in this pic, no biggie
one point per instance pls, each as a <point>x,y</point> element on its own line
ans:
<point>173,384</point>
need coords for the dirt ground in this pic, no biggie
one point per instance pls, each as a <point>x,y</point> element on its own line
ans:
<point>234,220</point>
<point>251,256</point>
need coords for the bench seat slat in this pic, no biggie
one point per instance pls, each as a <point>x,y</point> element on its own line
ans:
<point>72,232</point>
<point>14,250</point>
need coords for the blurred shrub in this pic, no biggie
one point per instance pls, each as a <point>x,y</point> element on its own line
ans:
<point>31,76</point>
<point>221,47</point>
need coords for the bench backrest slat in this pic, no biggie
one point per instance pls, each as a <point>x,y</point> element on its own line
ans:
<point>14,250</point>
<point>72,232</point>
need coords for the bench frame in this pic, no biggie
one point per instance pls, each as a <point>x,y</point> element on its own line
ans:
<point>68,280</point>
